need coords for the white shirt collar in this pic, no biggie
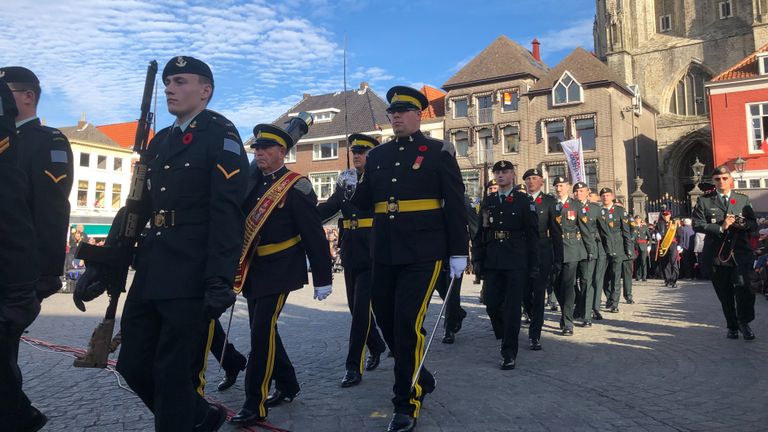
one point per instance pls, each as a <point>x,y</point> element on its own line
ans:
<point>26,120</point>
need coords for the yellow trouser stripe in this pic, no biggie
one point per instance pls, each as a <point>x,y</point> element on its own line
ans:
<point>408,205</point>
<point>201,375</point>
<point>419,352</point>
<point>269,249</point>
<point>365,342</point>
<point>270,356</point>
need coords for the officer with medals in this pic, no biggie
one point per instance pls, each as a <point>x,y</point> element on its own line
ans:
<point>46,157</point>
<point>414,186</point>
<point>19,273</point>
<point>592,268</point>
<point>727,219</point>
<point>355,227</point>
<point>550,254</point>
<point>283,227</point>
<point>185,265</point>
<point>642,238</point>
<point>618,246</point>
<point>508,253</point>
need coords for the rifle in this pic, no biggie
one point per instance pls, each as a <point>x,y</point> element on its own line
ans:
<point>116,256</point>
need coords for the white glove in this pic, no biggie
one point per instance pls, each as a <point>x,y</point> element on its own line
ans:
<point>658,236</point>
<point>348,182</point>
<point>648,248</point>
<point>458,264</point>
<point>322,292</point>
<point>679,249</point>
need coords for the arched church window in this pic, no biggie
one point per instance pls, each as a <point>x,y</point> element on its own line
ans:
<point>688,97</point>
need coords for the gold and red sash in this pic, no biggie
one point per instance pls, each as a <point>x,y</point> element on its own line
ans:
<point>256,219</point>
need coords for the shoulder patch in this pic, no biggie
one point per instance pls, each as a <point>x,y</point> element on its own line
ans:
<point>59,156</point>
<point>232,146</point>
<point>304,186</point>
<point>448,147</point>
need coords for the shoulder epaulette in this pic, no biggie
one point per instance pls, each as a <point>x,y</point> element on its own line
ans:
<point>448,147</point>
<point>304,186</point>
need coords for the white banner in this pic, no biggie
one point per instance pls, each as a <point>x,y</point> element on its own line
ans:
<point>574,155</point>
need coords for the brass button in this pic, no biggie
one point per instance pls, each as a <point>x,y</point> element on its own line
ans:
<point>394,180</point>
<point>402,148</point>
<point>167,167</point>
<point>162,189</point>
<point>391,198</point>
<point>397,163</point>
<point>186,164</point>
<point>391,216</point>
<point>157,233</point>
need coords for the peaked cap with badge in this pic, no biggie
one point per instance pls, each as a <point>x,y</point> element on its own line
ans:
<point>402,98</point>
<point>268,135</point>
<point>361,142</point>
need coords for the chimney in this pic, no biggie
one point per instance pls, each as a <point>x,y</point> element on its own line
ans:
<point>363,86</point>
<point>82,123</point>
<point>306,96</point>
<point>536,51</point>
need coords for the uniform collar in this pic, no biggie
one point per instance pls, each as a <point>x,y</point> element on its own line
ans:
<point>506,193</point>
<point>536,194</point>
<point>413,137</point>
<point>274,174</point>
<point>721,195</point>
<point>25,121</point>
<point>186,124</point>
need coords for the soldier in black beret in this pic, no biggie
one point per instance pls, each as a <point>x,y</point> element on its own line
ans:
<point>273,264</point>
<point>355,227</point>
<point>617,241</point>
<point>185,266</point>
<point>46,157</point>
<point>727,219</point>
<point>492,186</point>
<point>19,272</point>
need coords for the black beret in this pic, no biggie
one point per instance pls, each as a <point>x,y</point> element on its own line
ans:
<point>580,185</point>
<point>361,142</point>
<point>492,182</point>
<point>502,165</point>
<point>8,110</point>
<point>559,179</point>
<point>402,98</point>
<point>722,169</point>
<point>268,135</point>
<point>18,74</point>
<point>521,188</point>
<point>606,190</point>
<point>187,65</point>
<point>532,172</point>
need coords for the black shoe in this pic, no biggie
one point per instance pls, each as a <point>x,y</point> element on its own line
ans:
<point>567,332</point>
<point>278,398</point>
<point>34,421</point>
<point>214,418</point>
<point>351,378</point>
<point>587,324</point>
<point>457,326</point>
<point>615,309</point>
<point>732,334</point>
<point>597,316</point>
<point>229,379</point>
<point>553,308</point>
<point>746,332</point>
<point>630,301</point>
<point>450,337</point>
<point>246,417</point>
<point>401,423</point>
<point>373,360</point>
<point>508,364</point>
<point>674,284</point>
<point>527,318</point>
<point>535,345</point>
<point>645,280</point>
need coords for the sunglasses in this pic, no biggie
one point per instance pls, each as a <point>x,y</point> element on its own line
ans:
<point>725,178</point>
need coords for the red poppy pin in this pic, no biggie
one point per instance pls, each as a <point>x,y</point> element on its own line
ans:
<point>733,201</point>
<point>586,209</point>
<point>187,138</point>
<point>538,200</point>
<point>565,205</point>
<point>422,148</point>
<point>611,210</point>
<point>510,199</point>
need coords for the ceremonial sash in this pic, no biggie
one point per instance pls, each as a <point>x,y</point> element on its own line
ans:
<point>256,219</point>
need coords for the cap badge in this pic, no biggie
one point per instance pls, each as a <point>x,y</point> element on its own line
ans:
<point>2,73</point>
<point>180,62</point>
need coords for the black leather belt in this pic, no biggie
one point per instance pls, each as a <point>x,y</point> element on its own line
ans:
<point>508,235</point>
<point>569,236</point>
<point>170,218</point>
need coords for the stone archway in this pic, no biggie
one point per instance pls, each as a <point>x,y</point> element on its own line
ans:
<point>682,154</point>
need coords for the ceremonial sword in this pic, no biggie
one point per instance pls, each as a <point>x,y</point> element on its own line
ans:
<point>432,336</point>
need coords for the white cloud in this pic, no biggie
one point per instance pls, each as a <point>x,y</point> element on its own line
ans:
<point>577,34</point>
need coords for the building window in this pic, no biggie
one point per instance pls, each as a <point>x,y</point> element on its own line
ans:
<point>461,142</point>
<point>590,171</point>
<point>759,124</point>
<point>665,23</point>
<point>472,185</point>
<point>511,137</point>
<point>726,9</point>
<point>100,195</point>
<point>325,151</point>
<point>290,157</point>
<point>553,171</point>
<point>741,184</point>
<point>510,100</point>
<point>688,98</point>
<point>566,91</point>
<point>101,162</point>
<point>555,134</point>
<point>762,61</point>
<point>585,129</point>
<point>754,183</point>
<point>460,108</point>
<point>116,199</point>
<point>82,193</point>
<point>117,164</point>
<point>485,146</point>
<point>85,160</point>
<point>323,183</point>
<point>485,109</point>
<point>323,116</point>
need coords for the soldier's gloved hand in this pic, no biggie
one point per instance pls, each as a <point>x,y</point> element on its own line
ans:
<point>648,248</point>
<point>47,286</point>
<point>89,286</point>
<point>348,182</point>
<point>458,263</point>
<point>218,297</point>
<point>679,249</point>
<point>322,292</point>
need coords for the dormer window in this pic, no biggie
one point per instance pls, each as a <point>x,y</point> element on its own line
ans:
<point>567,91</point>
<point>762,62</point>
<point>322,115</point>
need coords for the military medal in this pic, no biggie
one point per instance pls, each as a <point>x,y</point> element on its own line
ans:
<point>610,224</point>
<point>713,220</point>
<point>417,162</point>
<point>571,215</point>
<point>559,219</point>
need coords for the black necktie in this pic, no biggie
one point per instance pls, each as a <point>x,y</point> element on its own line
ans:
<point>725,201</point>
<point>502,196</point>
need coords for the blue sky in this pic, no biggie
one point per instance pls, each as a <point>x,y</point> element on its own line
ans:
<point>91,55</point>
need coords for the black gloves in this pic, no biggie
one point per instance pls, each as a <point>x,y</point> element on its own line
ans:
<point>89,286</point>
<point>47,286</point>
<point>218,297</point>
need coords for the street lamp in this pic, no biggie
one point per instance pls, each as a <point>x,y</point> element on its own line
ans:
<point>739,164</point>
<point>696,192</point>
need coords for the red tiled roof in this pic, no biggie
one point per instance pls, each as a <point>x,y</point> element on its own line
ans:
<point>747,68</point>
<point>436,100</point>
<point>122,133</point>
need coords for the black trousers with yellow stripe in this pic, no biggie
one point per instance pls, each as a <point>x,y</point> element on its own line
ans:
<point>363,330</point>
<point>401,295</point>
<point>268,360</point>
<point>162,358</point>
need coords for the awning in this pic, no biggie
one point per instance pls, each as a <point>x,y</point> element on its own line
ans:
<point>94,229</point>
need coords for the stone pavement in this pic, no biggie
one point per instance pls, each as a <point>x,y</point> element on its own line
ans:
<point>662,364</point>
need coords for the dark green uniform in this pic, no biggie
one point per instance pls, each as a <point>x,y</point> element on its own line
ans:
<point>618,248</point>
<point>642,239</point>
<point>591,270</point>
<point>578,244</point>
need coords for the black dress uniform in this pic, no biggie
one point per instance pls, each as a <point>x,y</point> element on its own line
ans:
<point>507,246</point>
<point>642,239</point>
<point>195,185</point>
<point>291,233</point>
<point>414,185</point>
<point>618,246</point>
<point>355,227</point>
<point>19,272</point>
<point>46,157</point>
<point>670,268</point>
<point>729,254</point>
<point>591,270</point>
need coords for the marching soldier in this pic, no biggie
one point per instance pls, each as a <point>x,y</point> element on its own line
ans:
<point>550,249</point>
<point>727,219</point>
<point>507,248</point>
<point>591,269</point>
<point>670,269</point>
<point>283,227</point>
<point>618,246</point>
<point>195,185</point>
<point>230,359</point>
<point>575,236</point>
<point>355,228</point>
<point>642,239</point>
<point>414,185</point>
<point>46,157</point>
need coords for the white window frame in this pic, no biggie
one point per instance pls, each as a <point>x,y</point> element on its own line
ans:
<point>750,130</point>
<point>574,132</point>
<point>489,109</point>
<point>662,27</point>
<point>290,155</point>
<point>550,188</point>
<point>122,164</point>
<point>514,90</point>
<point>453,106</point>
<point>80,160</point>
<point>762,62</point>
<point>502,137</point>
<point>316,154</point>
<point>567,88</point>
<point>318,187</point>
<point>721,6</point>
<point>545,135</point>
<point>78,190</point>
<point>481,149</point>
<point>453,141</point>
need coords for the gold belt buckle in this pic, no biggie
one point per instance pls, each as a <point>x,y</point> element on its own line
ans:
<point>353,223</point>
<point>393,207</point>
<point>160,219</point>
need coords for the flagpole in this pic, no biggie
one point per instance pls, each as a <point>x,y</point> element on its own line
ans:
<point>346,126</point>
